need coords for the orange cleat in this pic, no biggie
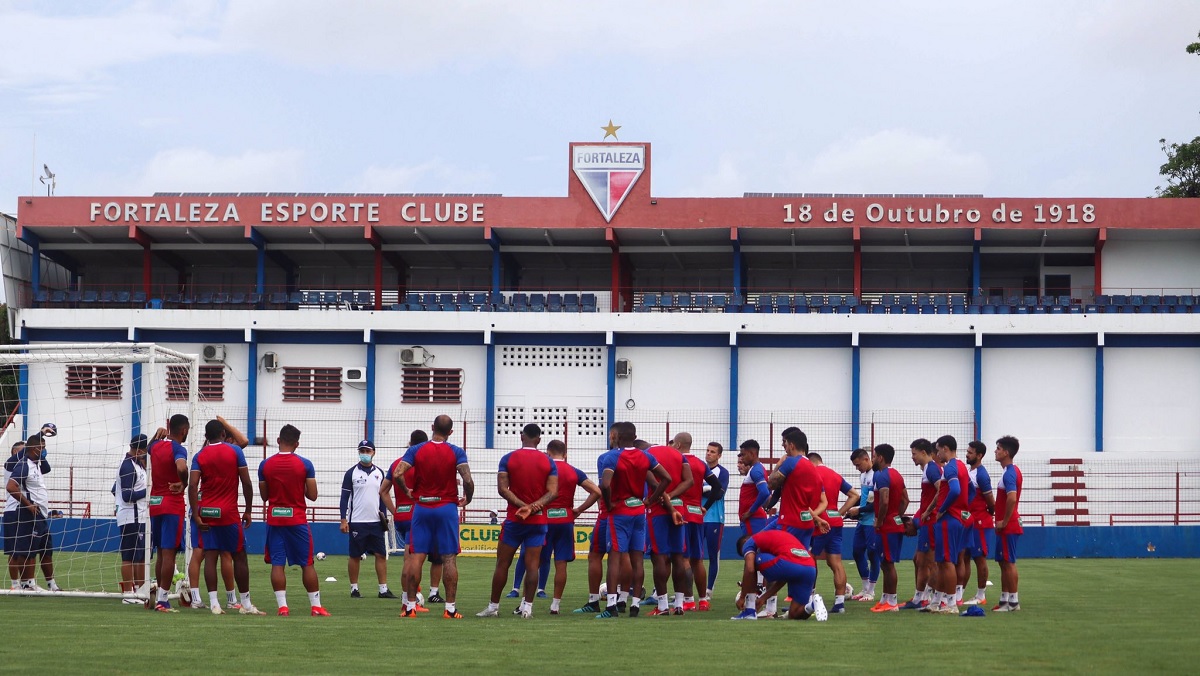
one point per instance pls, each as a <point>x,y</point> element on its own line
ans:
<point>283,612</point>
<point>882,607</point>
<point>422,609</point>
<point>408,614</point>
<point>702,606</point>
<point>446,614</point>
<point>318,611</point>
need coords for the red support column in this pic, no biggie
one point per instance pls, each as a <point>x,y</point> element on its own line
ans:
<point>1101,238</point>
<point>858,263</point>
<point>615,284</point>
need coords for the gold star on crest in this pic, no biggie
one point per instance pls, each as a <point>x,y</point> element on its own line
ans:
<point>611,130</point>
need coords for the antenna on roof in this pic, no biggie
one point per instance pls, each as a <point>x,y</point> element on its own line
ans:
<point>48,181</point>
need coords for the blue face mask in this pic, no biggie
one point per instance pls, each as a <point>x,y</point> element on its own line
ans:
<point>365,458</point>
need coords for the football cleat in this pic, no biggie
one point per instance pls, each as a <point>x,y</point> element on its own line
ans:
<point>512,594</point>
<point>1000,607</point>
<point>689,607</point>
<point>911,604</point>
<point>589,607</point>
<point>819,611</point>
<point>164,607</point>
<point>318,611</point>
<point>607,614</point>
<point>974,602</point>
<point>525,614</point>
<point>677,611</point>
<point>216,609</point>
<point>620,606</point>
<point>387,594</point>
<point>863,596</point>
<point>408,614</point>
<point>838,609</point>
<point>765,614</point>
<point>283,612</point>
<point>634,610</point>
<point>451,615</point>
<point>541,594</point>
<point>233,606</point>
<point>702,606</point>
<point>553,612</point>
<point>422,609</point>
<point>849,590</point>
<point>488,612</point>
<point>658,613</point>
<point>1007,608</point>
<point>250,610</point>
<point>436,598</point>
<point>355,594</point>
<point>747,614</point>
<point>882,607</point>
<point>132,602</point>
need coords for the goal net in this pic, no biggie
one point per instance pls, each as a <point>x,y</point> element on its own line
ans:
<point>98,396</point>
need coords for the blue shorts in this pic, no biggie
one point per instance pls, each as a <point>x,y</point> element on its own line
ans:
<point>560,541</point>
<point>799,578</point>
<point>229,538</point>
<point>752,526</point>
<point>926,537</point>
<point>26,535</point>
<point>517,535</point>
<point>403,528</point>
<point>1006,548</point>
<point>133,542</point>
<point>693,541</point>
<point>665,536</point>
<point>435,529</point>
<point>949,540</point>
<point>888,545</point>
<point>600,536</point>
<point>166,531</point>
<point>828,543</point>
<point>626,532</point>
<point>292,545</point>
<point>804,535</point>
<point>975,542</point>
<point>367,538</point>
<point>864,538</point>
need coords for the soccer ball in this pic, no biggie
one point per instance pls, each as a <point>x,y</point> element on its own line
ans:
<point>363,557</point>
<point>603,589</point>
<point>320,556</point>
<point>420,599</point>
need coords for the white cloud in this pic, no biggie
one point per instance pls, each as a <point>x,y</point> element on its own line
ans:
<point>891,161</point>
<point>432,176</point>
<point>195,170</point>
<point>725,180</point>
<point>49,48</point>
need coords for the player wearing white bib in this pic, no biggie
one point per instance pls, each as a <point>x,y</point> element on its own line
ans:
<point>131,493</point>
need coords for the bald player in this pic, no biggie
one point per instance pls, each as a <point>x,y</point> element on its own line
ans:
<point>697,500</point>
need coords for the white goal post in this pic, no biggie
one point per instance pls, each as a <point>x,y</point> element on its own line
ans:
<point>99,396</point>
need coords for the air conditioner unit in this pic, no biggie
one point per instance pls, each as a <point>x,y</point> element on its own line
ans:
<point>270,361</point>
<point>414,356</point>
<point>214,353</point>
<point>624,368</point>
<point>354,374</point>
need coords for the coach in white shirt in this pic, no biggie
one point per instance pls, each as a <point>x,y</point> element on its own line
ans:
<point>133,513</point>
<point>364,518</point>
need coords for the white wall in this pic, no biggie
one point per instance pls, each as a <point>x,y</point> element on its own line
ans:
<point>1044,397</point>
<point>1151,267</point>
<point>688,386</point>
<point>1151,398</point>
<point>908,393</point>
<point>806,387</point>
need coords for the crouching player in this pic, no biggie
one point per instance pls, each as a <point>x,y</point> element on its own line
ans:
<point>781,559</point>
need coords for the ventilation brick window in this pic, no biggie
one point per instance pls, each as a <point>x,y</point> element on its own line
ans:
<point>591,421</point>
<point>426,385</point>
<point>551,355</point>
<point>94,381</point>
<point>212,382</point>
<point>312,384</point>
<point>509,420</point>
<point>552,420</point>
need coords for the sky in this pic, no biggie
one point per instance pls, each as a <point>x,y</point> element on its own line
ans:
<point>1016,98</point>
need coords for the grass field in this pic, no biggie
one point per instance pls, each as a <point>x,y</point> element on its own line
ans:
<point>1078,616</point>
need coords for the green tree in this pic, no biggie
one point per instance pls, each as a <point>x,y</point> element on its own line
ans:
<point>1182,167</point>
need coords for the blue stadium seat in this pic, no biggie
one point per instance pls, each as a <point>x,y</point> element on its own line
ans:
<point>42,297</point>
<point>138,298</point>
<point>878,309</point>
<point>346,298</point>
<point>480,301</point>
<point>649,303</point>
<point>295,299</point>
<point>666,301</point>
<point>362,300</point>
<point>991,309</point>
<point>588,302</point>
<point>520,302</point>
<point>89,297</point>
<point>107,297</point>
<point>554,302</point>
<point>571,302</point>
<point>221,299</point>
<point>498,303</point>
<point>537,302</point>
<point>277,298</point>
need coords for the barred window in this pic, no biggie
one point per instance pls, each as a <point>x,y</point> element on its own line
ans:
<point>94,381</point>
<point>312,383</point>
<point>212,382</point>
<point>428,385</point>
